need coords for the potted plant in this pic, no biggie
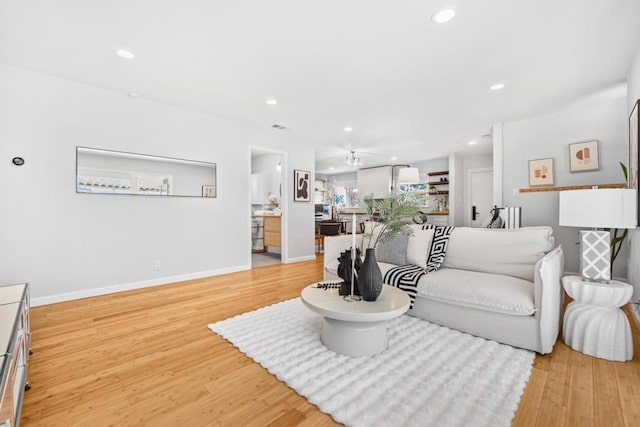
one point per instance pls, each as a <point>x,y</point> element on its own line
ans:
<point>388,217</point>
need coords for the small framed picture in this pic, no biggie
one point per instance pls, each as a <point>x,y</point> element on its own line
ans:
<point>208,191</point>
<point>540,172</point>
<point>583,156</point>
<point>301,186</point>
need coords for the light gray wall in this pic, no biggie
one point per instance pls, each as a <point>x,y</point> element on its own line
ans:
<point>432,165</point>
<point>602,116</point>
<point>633,94</point>
<point>67,243</point>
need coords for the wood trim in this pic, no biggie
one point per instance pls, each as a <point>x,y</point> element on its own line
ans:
<point>571,187</point>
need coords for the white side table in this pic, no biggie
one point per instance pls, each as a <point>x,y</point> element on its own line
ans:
<point>593,322</point>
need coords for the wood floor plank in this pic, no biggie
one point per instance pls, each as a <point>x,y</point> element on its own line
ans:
<point>146,357</point>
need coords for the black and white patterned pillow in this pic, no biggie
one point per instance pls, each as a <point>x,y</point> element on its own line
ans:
<point>393,251</point>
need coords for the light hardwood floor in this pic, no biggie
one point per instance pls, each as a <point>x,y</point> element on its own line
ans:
<point>146,357</point>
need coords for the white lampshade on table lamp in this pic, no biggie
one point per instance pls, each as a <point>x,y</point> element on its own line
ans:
<point>408,176</point>
<point>597,208</point>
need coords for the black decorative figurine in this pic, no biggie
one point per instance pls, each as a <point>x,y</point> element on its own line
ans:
<point>344,272</point>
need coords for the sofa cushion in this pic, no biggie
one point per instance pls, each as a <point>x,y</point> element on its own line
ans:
<point>484,291</point>
<point>510,252</point>
<point>393,251</point>
<point>418,246</point>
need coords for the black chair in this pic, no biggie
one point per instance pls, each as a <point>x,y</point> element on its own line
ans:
<point>327,228</point>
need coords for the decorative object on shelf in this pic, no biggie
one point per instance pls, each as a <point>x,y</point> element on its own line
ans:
<point>208,191</point>
<point>370,277</point>
<point>513,216</point>
<point>583,156</point>
<point>345,265</point>
<point>408,175</point>
<point>273,200</point>
<point>598,208</point>
<point>634,131</point>
<point>301,186</point>
<point>540,172</point>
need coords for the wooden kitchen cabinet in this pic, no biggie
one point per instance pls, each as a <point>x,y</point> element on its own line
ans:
<point>272,231</point>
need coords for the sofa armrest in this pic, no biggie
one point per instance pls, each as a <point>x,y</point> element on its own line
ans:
<point>548,297</point>
<point>333,245</point>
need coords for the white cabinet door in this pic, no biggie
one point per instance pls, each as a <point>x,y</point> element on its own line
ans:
<point>374,181</point>
<point>258,194</point>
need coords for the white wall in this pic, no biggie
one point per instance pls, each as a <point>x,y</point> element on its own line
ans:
<point>67,243</point>
<point>432,165</point>
<point>602,116</point>
<point>633,94</point>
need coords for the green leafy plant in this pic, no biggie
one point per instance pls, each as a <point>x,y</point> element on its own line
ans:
<point>390,216</point>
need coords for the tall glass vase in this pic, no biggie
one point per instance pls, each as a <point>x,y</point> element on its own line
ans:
<point>370,277</point>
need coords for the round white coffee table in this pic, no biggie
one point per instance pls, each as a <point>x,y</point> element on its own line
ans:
<point>593,322</point>
<point>358,328</point>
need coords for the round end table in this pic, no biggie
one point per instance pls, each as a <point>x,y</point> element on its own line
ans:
<point>593,322</point>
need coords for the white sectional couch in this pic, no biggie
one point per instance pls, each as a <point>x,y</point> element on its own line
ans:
<point>502,285</point>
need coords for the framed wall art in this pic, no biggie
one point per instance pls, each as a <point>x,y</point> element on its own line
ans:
<point>540,172</point>
<point>301,186</point>
<point>634,130</point>
<point>583,156</point>
<point>208,191</point>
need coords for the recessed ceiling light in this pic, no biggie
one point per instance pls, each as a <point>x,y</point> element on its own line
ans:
<point>394,158</point>
<point>348,129</point>
<point>330,168</point>
<point>122,53</point>
<point>497,86</point>
<point>272,101</point>
<point>473,142</point>
<point>445,15</point>
<point>133,94</point>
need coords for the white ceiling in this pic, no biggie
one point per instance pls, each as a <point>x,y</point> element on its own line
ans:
<point>408,87</point>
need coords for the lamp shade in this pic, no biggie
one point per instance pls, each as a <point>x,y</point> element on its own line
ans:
<point>598,208</point>
<point>408,175</point>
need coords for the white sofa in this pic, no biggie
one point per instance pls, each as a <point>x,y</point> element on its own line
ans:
<point>499,284</point>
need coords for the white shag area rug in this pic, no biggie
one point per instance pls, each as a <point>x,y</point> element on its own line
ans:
<point>429,376</point>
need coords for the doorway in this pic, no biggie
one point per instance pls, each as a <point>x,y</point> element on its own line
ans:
<point>266,207</point>
<point>479,200</point>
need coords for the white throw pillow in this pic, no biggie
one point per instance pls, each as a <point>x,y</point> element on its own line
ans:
<point>418,246</point>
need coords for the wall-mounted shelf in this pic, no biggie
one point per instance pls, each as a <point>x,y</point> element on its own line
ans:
<point>571,187</point>
<point>439,183</point>
<point>433,193</point>
<point>438,173</point>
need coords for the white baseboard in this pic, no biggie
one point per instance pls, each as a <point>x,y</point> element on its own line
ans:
<point>300,259</point>
<point>86,293</point>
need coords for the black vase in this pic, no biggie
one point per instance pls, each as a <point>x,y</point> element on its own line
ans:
<point>370,277</point>
<point>344,272</point>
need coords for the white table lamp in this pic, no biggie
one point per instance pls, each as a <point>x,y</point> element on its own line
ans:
<point>597,208</point>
